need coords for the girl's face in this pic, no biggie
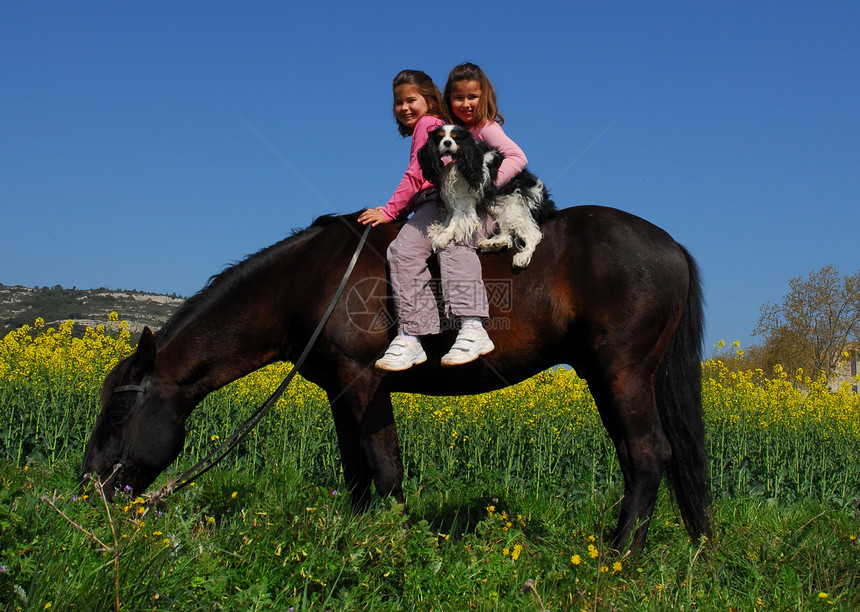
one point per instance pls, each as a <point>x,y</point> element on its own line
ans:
<point>465,96</point>
<point>409,105</point>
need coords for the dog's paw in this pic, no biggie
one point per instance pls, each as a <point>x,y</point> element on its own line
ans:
<point>434,230</point>
<point>439,235</point>
<point>440,241</point>
<point>495,244</point>
<point>521,260</point>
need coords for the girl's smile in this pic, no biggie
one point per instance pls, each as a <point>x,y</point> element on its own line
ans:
<point>465,96</point>
<point>409,105</point>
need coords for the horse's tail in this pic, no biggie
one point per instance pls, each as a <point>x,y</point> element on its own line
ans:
<point>679,400</point>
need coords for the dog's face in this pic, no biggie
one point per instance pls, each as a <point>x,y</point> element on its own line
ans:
<point>449,139</point>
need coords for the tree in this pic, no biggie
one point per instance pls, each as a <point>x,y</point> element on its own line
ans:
<point>815,321</point>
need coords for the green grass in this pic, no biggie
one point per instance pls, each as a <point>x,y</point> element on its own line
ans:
<point>273,539</point>
<point>502,491</point>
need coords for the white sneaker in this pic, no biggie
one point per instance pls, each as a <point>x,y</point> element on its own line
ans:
<point>470,344</point>
<point>401,355</point>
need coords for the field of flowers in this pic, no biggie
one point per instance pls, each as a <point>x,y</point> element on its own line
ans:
<point>492,482</point>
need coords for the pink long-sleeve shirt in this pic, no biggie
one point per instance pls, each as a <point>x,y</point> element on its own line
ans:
<point>413,180</point>
<point>514,161</point>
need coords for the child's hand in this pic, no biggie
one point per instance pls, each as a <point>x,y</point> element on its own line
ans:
<point>373,216</point>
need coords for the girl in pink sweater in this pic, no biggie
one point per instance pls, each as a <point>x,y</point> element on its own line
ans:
<point>471,102</point>
<point>418,108</point>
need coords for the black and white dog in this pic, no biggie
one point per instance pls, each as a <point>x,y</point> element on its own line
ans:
<point>467,184</point>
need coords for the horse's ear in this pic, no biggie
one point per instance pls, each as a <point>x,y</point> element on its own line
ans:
<point>144,356</point>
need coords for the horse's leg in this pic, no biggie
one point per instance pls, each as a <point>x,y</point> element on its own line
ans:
<point>356,470</point>
<point>369,446</point>
<point>628,409</point>
<point>382,446</point>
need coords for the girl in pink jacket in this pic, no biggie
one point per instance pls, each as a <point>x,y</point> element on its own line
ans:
<point>418,108</point>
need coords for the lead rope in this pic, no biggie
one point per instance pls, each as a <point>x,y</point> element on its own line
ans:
<point>213,458</point>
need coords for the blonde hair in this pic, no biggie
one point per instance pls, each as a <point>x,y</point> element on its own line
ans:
<point>426,89</point>
<point>487,108</point>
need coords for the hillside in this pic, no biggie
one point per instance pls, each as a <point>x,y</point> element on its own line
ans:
<point>86,307</point>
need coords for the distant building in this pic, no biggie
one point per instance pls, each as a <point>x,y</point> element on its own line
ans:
<point>847,368</point>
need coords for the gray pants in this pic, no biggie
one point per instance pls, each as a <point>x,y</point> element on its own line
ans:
<point>463,292</point>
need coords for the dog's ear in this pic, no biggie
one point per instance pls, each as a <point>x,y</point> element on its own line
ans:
<point>494,163</point>
<point>430,162</point>
<point>470,163</point>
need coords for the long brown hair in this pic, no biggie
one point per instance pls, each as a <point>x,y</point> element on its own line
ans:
<point>426,89</point>
<point>487,108</point>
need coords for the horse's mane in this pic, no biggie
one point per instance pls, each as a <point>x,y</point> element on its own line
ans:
<point>219,284</point>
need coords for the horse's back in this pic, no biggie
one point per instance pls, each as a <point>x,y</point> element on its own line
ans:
<point>593,258</point>
<point>599,275</point>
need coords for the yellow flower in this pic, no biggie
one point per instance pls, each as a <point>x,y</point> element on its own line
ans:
<point>518,548</point>
<point>822,595</point>
<point>576,559</point>
<point>616,566</point>
<point>592,551</point>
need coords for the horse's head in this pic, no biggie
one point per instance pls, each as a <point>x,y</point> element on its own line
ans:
<point>141,428</point>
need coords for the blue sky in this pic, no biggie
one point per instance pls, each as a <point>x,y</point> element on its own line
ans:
<point>147,145</point>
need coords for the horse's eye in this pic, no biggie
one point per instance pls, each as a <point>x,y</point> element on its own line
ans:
<point>116,417</point>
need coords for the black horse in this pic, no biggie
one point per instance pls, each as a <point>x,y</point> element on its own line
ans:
<point>607,292</point>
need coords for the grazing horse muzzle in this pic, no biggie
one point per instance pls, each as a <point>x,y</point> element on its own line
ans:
<point>96,461</point>
<point>141,427</point>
